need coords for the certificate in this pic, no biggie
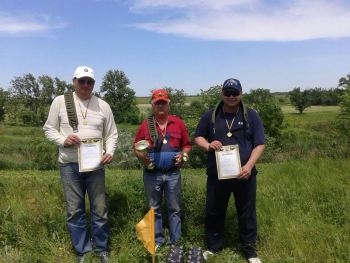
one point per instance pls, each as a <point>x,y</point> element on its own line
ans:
<point>90,154</point>
<point>228,162</point>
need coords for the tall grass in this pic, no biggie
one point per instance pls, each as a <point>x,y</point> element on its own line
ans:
<point>303,213</point>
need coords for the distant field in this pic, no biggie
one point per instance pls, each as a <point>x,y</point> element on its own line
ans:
<point>291,109</point>
<point>144,103</point>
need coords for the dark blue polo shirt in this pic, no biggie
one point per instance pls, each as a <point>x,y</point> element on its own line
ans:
<point>246,136</point>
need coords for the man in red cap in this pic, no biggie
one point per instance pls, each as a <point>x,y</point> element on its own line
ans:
<point>169,145</point>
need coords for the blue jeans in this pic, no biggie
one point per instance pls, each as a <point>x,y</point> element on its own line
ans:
<point>75,186</point>
<point>156,185</point>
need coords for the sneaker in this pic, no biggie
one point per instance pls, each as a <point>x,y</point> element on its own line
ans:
<point>103,255</point>
<point>81,259</point>
<point>207,254</point>
<point>254,260</point>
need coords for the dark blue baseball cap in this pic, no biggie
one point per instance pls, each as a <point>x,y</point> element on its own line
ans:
<point>232,84</point>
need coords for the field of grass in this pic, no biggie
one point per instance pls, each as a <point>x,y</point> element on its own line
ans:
<point>303,213</point>
<point>303,198</point>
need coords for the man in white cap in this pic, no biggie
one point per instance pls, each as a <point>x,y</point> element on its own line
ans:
<point>94,119</point>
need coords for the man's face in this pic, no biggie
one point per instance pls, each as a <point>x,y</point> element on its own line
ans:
<point>160,107</point>
<point>231,97</point>
<point>83,87</point>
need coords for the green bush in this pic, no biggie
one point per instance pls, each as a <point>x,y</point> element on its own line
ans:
<point>44,154</point>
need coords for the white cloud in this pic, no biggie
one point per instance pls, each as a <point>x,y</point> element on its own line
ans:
<point>24,24</point>
<point>250,20</point>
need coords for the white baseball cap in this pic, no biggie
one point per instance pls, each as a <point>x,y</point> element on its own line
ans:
<point>84,71</point>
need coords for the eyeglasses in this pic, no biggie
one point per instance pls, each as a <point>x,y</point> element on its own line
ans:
<point>161,102</point>
<point>86,81</point>
<point>231,92</point>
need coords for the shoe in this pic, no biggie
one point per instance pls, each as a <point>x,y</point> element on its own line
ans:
<point>207,254</point>
<point>103,255</point>
<point>254,260</point>
<point>81,258</point>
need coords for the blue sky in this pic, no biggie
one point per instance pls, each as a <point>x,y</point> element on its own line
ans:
<point>190,45</point>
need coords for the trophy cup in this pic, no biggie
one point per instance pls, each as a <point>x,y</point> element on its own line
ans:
<point>184,157</point>
<point>143,146</point>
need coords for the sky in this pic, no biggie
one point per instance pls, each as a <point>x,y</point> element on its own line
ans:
<point>191,45</point>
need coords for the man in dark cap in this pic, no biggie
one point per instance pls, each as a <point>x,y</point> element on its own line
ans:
<point>231,123</point>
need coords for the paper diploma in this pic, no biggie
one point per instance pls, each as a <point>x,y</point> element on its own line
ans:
<point>228,162</point>
<point>90,154</point>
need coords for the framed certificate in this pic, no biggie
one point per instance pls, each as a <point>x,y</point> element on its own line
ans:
<point>228,162</point>
<point>90,154</point>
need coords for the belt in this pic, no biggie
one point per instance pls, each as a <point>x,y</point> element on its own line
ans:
<point>156,169</point>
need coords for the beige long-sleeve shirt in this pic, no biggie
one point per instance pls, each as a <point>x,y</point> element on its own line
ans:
<point>95,119</point>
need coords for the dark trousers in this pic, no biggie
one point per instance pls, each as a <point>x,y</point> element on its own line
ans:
<point>218,195</point>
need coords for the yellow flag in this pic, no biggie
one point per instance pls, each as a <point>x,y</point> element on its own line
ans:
<point>146,233</point>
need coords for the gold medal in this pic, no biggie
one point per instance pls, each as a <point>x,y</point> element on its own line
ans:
<point>165,141</point>
<point>229,134</point>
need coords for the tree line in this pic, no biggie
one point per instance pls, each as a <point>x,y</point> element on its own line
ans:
<point>28,99</point>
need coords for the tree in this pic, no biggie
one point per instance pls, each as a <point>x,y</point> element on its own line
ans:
<point>210,97</point>
<point>344,115</point>
<point>51,88</point>
<point>196,109</point>
<point>120,97</point>
<point>269,110</point>
<point>26,88</point>
<point>319,96</point>
<point>177,104</point>
<point>30,98</point>
<point>299,99</point>
<point>4,95</point>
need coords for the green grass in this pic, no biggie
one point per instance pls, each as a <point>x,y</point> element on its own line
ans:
<point>303,198</point>
<point>303,213</point>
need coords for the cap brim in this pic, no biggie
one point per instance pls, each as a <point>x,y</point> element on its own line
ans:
<point>236,88</point>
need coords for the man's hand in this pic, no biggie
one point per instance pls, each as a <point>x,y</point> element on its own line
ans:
<point>214,145</point>
<point>106,158</point>
<point>246,172</point>
<point>143,157</point>
<point>71,140</point>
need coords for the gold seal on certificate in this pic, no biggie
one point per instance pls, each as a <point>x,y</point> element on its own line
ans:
<point>90,154</point>
<point>228,162</point>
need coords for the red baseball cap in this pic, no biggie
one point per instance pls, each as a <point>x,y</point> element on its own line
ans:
<point>160,94</point>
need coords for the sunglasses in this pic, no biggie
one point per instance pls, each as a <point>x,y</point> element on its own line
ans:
<point>86,81</point>
<point>231,92</point>
<point>161,102</point>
